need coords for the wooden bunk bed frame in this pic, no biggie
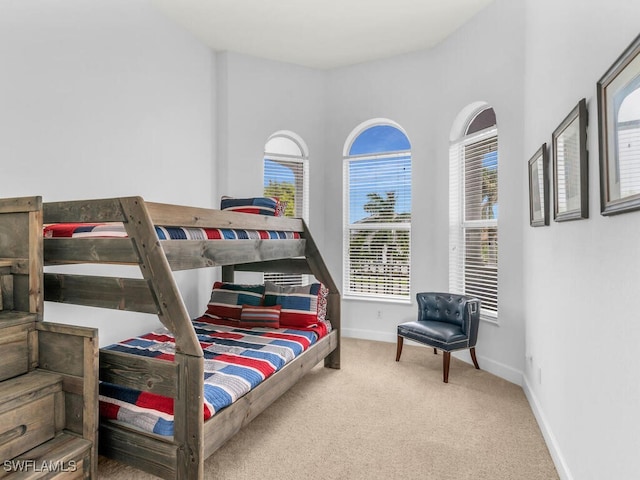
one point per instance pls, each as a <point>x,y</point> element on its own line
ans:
<point>181,456</point>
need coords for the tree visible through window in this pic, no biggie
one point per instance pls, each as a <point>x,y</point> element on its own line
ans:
<point>377,255</point>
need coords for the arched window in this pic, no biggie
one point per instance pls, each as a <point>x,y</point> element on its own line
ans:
<point>285,172</point>
<point>627,135</point>
<point>473,207</point>
<point>377,219</point>
<point>286,177</point>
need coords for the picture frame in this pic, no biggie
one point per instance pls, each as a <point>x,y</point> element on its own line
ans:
<point>618,94</point>
<point>570,166</point>
<point>539,188</point>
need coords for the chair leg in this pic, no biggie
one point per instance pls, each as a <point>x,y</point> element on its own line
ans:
<point>399,349</point>
<point>446,360</point>
<point>473,357</point>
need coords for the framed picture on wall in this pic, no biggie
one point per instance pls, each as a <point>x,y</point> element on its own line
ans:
<point>618,93</point>
<point>570,168</point>
<point>539,188</point>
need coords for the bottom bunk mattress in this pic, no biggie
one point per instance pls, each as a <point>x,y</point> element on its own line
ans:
<point>236,360</point>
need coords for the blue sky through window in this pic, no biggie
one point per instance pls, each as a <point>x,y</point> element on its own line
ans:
<point>274,171</point>
<point>379,176</point>
<point>490,162</point>
<point>380,139</point>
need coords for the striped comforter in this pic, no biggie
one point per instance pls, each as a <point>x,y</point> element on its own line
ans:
<point>111,230</point>
<point>235,361</point>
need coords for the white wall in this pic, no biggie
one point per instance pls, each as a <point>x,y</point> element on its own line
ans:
<point>101,99</point>
<point>107,98</point>
<point>581,278</point>
<point>258,98</point>
<point>424,92</point>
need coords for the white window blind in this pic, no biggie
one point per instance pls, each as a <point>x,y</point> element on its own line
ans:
<point>629,158</point>
<point>473,234</point>
<point>286,177</point>
<point>377,256</point>
<point>624,174</point>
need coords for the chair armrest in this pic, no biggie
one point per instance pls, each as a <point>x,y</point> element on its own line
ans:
<point>471,319</point>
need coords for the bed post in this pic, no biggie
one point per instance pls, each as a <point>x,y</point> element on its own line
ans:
<point>321,272</point>
<point>228,273</point>
<point>188,418</point>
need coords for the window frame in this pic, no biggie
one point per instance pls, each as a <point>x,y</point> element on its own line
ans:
<point>349,228</point>
<point>458,224</point>
<point>303,161</point>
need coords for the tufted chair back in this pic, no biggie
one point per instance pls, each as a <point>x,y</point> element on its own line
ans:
<point>460,310</point>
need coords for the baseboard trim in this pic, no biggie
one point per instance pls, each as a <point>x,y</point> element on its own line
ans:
<point>498,369</point>
<point>374,335</point>
<point>552,444</point>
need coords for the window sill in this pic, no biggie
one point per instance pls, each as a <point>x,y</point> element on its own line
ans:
<point>490,319</point>
<point>377,299</point>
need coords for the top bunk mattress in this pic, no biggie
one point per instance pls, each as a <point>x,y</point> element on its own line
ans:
<point>117,230</point>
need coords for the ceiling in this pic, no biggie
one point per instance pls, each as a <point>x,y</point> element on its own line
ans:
<point>321,34</point>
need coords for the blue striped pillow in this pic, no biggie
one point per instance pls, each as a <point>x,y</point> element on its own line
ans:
<point>227,299</point>
<point>259,205</point>
<point>299,304</point>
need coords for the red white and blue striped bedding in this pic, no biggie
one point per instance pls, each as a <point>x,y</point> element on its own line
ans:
<point>235,361</point>
<point>109,230</point>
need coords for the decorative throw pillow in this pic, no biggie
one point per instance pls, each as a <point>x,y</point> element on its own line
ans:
<point>259,205</point>
<point>261,316</point>
<point>299,304</point>
<point>227,299</point>
<point>282,208</point>
<point>322,307</point>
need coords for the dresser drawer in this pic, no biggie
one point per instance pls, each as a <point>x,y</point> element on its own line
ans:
<point>28,415</point>
<point>15,355</point>
<point>14,345</point>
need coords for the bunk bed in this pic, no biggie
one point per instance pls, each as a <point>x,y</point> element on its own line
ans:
<point>141,224</point>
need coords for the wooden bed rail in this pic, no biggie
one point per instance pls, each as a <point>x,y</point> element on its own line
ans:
<point>126,294</point>
<point>179,253</point>
<point>83,211</point>
<point>139,373</point>
<point>183,216</point>
<point>110,210</point>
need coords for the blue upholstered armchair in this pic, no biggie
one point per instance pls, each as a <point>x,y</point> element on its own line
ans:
<point>446,322</point>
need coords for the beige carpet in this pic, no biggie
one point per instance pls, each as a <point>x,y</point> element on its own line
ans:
<point>378,419</point>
